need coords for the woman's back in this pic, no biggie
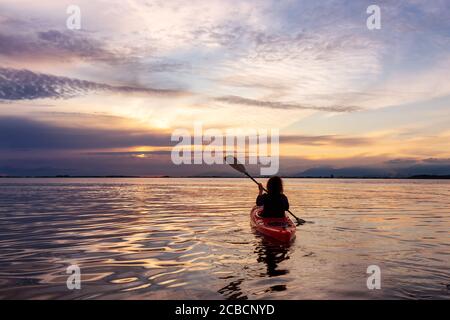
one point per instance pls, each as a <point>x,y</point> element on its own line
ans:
<point>274,201</point>
<point>274,205</point>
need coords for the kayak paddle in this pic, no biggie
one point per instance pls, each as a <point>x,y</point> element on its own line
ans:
<point>234,163</point>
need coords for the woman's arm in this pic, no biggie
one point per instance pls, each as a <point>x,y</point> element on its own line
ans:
<point>260,198</point>
<point>286,203</point>
<point>261,189</point>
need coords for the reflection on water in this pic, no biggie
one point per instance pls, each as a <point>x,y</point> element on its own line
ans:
<point>269,253</point>
<point>191,239</point>
<point>272,254</point>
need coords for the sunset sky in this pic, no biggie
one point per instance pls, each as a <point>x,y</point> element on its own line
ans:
<point>105,99</point>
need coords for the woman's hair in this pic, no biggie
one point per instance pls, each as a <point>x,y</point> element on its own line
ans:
<point>275,185</point>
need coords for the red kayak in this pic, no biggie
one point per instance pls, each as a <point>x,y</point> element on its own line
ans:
<point>281,229</point>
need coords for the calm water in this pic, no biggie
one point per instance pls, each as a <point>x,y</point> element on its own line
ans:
<point>191,239</point>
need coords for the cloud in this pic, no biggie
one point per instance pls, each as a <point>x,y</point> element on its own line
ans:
<point>283,105</point>
<point>21,133</point>
<point>142,154</point>
<point>326,140</point>
<point>73,43</point>
<point>27,85</point>
<point>436,161</point>
<point>54,44</point>
<point>402,162</point>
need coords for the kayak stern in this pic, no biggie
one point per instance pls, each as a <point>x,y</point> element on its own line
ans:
<point>280,229</point>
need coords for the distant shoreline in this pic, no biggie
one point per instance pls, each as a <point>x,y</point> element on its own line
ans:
<point>427,177</point>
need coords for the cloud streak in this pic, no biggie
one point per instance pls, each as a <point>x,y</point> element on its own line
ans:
<point>21,133</point>
<point>54,44</point>
<point>28,85</point>
<point>284,106</point>
<point>326,140</point>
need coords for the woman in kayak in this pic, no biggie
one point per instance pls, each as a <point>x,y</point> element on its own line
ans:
<point>275,203</point>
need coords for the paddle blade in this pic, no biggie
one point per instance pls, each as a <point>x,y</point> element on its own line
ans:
<point>234,163</point>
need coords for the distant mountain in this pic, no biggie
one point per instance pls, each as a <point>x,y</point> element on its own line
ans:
<point>425,169</point>
<point>216,174</point>
<point>430,176</point>
<point>351,172</point>
<point>392,169</point>
<point>388,171</point>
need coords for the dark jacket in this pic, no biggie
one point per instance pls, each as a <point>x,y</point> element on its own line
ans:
<point>274,205</point>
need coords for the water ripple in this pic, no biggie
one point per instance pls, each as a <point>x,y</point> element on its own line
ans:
<point>190,238</point>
